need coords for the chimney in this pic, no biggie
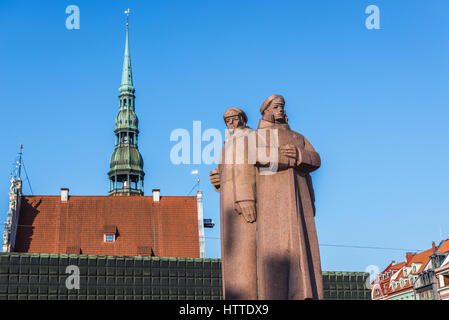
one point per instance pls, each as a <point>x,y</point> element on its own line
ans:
<point>434,247</point>
<point>199,204</point>
<point>156,195</point>
<point>408,256</point>
<point>64,194</point>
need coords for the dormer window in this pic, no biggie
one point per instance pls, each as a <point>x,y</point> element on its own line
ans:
<point>405,272</point>
<point>109,238</point>
<point>414,269</point>
<point>109,233</point>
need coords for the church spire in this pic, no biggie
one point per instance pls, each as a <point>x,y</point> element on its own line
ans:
<point>127,75</point>
<point>126,165</point>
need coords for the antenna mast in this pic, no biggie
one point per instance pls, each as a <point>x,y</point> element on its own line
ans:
<point>17,171</point>
<point>20,159</point>
<point>197,182</point>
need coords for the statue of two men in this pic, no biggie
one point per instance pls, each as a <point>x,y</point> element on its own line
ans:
<point>269,240</point>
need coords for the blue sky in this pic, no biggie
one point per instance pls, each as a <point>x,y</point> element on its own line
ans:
<point>374,103</point>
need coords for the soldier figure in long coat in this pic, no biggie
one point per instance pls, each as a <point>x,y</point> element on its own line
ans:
<point>235,180</point>
<point>288,258</point>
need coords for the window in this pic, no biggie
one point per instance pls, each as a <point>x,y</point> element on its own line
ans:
<point>109,237</point>
<point>414,269</point>
<point>445,280</point>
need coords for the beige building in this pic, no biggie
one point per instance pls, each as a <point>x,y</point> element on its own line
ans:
<point>442,275</point>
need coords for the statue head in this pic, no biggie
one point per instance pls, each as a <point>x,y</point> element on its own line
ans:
<point>235,118</point>
<point>272,109</point>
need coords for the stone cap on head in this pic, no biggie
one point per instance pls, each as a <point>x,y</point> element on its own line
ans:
<point>268,101</point>
<point>234,112</point>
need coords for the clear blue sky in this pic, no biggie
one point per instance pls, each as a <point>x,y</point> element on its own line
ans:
<point>374,103</point>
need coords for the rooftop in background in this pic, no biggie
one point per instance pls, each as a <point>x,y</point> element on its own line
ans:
<point>138,225</point>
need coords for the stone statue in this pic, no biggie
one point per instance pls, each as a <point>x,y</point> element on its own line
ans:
<point>288,258</point>
<point>235,180</point>
<point>12,187</point>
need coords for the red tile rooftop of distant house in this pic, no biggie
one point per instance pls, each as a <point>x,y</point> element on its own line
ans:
<point>139,225</point>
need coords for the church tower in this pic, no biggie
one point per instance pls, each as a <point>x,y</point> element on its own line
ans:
<point>126,166</point>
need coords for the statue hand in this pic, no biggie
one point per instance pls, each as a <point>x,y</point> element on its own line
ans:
<point>214,177</point>
<point>289,151</point>
<point>248,210</point>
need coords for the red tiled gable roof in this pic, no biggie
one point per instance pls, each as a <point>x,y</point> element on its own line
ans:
<point>384,284</point>
<point>406,287</point>
<point>398,266</point>
<point>392,267</point>
<point>400,274</point>
<point>421,258</point>
<point>444,247</point>
<point>398,289</point>
<point>168,228</point>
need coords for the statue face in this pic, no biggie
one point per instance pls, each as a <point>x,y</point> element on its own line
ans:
<point>234,122</point>
<point>276,110</point>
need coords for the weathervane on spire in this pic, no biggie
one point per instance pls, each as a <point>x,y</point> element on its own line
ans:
<point>127,17</point>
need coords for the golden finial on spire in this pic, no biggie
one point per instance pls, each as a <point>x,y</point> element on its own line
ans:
<point>127,16</point>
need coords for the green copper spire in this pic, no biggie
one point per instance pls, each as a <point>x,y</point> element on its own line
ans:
<point>127,75</point>
<point>126,166</point>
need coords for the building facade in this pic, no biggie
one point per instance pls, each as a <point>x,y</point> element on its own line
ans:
<point>442,277</point>
<point>426,284</point>
<point>381,286</point>
<point>413,279</point>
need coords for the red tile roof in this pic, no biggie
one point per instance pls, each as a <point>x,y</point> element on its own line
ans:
<point>444,247</point>
<point>168,228</point>
<point>422,258</point>
<point>384,284</point>
<point>398,265</point>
